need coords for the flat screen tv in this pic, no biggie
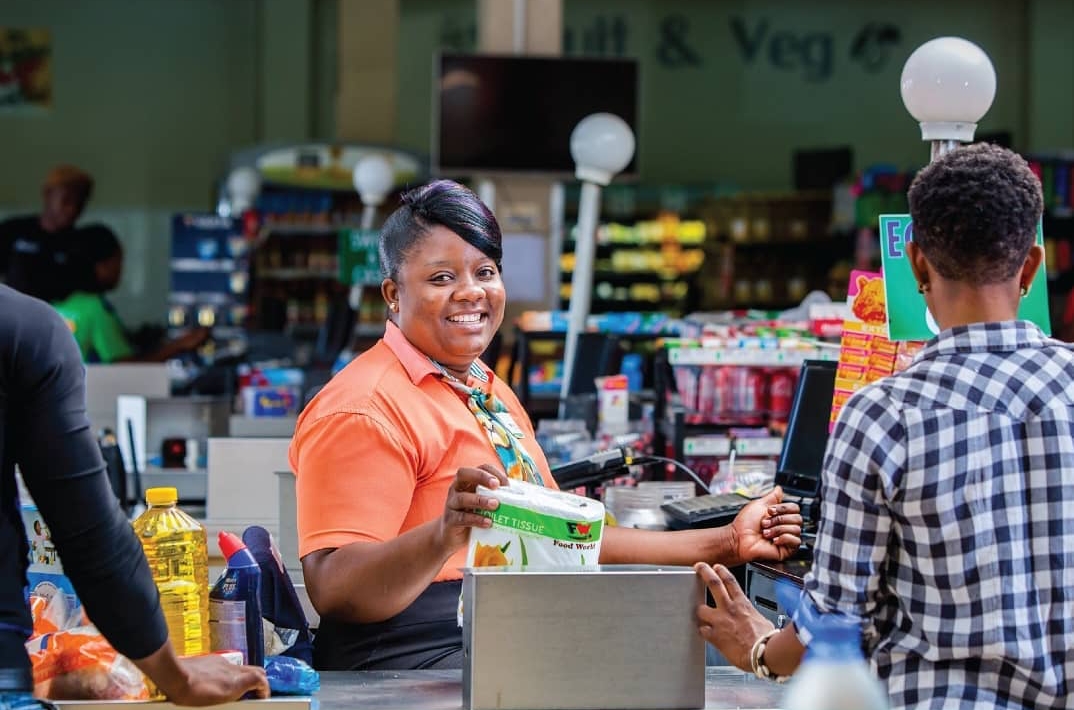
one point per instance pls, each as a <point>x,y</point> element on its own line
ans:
<point>503,114</point>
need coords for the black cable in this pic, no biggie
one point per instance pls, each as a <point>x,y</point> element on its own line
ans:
<point>641,460</point>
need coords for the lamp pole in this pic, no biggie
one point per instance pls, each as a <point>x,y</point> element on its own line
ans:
<point>602,144</point>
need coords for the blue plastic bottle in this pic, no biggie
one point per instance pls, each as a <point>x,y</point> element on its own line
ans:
<point>834,674</point>
<point>235,604</point>
<point>631,367</point>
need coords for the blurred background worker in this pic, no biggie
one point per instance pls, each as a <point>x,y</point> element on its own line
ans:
<point>35,249</point>
<point>98,266</point>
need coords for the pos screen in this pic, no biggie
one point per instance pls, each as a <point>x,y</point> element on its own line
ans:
<point>802,455</point>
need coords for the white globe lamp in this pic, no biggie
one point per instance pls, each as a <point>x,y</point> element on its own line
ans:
<point>602,144</point>
<point>242,188</point>
<point>948,85</point>
<point>373,178</point>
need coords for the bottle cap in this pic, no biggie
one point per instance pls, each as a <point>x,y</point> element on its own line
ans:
<point>230,543</point>
<point>161,496</point>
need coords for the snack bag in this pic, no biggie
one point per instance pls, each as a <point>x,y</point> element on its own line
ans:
<point>79,664</point>
<point>536,526</point>
<point>49,613</point>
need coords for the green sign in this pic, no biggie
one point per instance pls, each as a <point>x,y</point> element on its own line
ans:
<point>908,319</point>
<point>359,260</point>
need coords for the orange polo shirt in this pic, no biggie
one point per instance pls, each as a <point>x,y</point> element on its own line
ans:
<point>376,450</point>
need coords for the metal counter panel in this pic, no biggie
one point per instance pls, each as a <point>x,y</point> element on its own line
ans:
<point>615,636</point>
<point>725,687</point>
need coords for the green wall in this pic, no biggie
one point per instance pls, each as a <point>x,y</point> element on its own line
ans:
<point>730,89</point>
<point>152,96</point>
<point>148,96</point>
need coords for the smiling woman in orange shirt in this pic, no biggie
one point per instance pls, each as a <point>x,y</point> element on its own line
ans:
<point>389,454</point>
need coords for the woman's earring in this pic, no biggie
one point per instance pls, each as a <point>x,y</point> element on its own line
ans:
<point>922,288</point>
<point>1024,290</point>
<point>394,307</point>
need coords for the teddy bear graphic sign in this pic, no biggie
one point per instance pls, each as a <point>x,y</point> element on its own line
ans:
<point>908,318</point>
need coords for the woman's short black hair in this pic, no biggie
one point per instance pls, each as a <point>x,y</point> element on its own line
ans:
<point>441,202</point>
<point>96,242</point>
<point>975,212</point>
<point>91,245</point>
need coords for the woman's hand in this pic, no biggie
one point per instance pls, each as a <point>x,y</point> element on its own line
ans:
<point>463,500</point>
<point>734,625</point>
<point>767,528</point>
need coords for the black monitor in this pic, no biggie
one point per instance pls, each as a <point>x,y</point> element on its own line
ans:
<point>821,168</point>
<point>515,114</point>
<point>802,456</point>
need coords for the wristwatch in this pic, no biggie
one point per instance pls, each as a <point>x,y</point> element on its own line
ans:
<point>757,664</point>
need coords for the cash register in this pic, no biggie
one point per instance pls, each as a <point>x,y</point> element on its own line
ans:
<point>800,461</point>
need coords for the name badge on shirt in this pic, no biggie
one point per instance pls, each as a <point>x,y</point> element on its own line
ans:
<point>509,424</point>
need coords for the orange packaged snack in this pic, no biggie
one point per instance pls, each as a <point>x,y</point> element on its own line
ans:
<point>79,664</point>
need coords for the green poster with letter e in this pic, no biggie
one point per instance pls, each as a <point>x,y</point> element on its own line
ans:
<point>359,258</point>
<point>908,319</point>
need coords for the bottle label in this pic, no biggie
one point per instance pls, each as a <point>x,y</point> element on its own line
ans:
<point>227,626</point>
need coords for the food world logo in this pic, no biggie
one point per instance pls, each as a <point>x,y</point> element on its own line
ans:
<point>579,531</point>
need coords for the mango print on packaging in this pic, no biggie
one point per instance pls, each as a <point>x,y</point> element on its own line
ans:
<point>491,555</point>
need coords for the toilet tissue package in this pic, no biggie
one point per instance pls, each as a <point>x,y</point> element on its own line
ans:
<point>536,526</point>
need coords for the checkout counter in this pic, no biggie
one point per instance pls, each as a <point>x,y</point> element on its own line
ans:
<point>725,687</point>
<point>245,480</point>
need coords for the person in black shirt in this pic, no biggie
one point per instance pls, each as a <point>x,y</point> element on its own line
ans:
<point>44,430</point>
<point>35,249</point>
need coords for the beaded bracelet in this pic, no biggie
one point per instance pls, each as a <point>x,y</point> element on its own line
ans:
<point>757,664</point>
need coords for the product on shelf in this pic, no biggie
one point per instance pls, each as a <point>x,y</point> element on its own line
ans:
<point>865,352</point>
<point>647,264</point>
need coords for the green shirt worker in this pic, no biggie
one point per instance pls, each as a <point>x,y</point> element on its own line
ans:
<point>91,318</point>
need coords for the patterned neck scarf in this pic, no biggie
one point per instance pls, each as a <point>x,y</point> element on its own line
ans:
<point>493,417</point>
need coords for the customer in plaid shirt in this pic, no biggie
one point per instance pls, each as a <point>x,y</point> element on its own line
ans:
<point>946,521</point>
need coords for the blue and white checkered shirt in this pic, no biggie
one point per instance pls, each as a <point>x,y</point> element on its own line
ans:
<point>947,522</point>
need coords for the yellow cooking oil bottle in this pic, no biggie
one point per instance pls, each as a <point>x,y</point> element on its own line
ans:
<point>175,546</point>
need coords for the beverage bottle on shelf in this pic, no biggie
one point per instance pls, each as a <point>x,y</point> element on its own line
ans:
<point>175,546</point>
<point>235,603</point>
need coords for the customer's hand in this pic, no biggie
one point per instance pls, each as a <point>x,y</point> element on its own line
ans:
<point>463,500</point>
<point>201,680</point>
<point>192,339</point>
<point>734,624</point>
<point>768,528</point>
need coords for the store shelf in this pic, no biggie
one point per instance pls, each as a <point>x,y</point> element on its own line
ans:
<point>715,445</point>
<point>218,331</point>
<point>633,276</point>
<point>296,274</point>
<point>648,244</point>
<point>284,229</point>
<point>756,357</point>
<point>202,265</point>
<point>800,242</point>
